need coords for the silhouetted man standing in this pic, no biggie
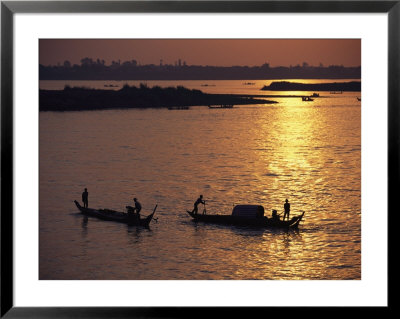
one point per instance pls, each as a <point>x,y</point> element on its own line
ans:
<point>85,198</point>
<point>138,206</point>
<point>286,206</point>
<point>197,202</point>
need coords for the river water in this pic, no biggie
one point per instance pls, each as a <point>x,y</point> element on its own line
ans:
<point>307,152</point>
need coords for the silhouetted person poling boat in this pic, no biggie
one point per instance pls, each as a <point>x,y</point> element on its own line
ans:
<point>85,198</point>
<point>286,207</point>
<point>138,206</point>
<point>196,204</point>
<point>134,212</point>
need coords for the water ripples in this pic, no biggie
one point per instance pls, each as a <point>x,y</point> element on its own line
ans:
<point>253,155</point>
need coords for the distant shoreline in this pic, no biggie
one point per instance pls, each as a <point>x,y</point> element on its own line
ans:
<point>131,70</point>
<point>353,86</point>
<point>129,97</point>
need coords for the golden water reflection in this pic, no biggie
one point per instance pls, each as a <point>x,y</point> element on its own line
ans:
<point>302,155</point>
<point>306,152</point>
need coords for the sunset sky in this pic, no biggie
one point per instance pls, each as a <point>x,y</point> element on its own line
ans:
<point>218,52</point>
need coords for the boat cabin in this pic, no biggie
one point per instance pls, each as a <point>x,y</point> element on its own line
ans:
<point>248,211</point>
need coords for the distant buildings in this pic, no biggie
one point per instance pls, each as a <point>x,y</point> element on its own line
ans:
<point>90,69</point>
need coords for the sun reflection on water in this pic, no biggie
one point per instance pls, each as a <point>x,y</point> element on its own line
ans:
<point>308,152</point>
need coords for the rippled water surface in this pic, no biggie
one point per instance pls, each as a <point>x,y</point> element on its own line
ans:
<point>308,152</point>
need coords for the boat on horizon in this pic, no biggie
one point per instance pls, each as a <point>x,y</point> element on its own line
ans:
<point>112,215</point>
<point>248,215</point>
<point>178,108</point>
<point>222,106</point>
<point>307,99</point>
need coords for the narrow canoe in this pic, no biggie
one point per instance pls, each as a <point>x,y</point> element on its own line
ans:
<point>112,215</point>
<point>227,106</point>
<point>257,222</point>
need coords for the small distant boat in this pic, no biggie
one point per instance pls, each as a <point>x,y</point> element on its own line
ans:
<point>358,98</point>
<point>179,108</point>
<point>248,83</point>
<point>208,85</point>
<point>336,92</point>
<point>315,95</point>
<point>110,86</point>
<point>307,99</point>
<point>222,106</point>
<point>112,215</point>
<point>248,215</point>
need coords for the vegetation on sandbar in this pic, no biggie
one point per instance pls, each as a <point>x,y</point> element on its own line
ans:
<point>78,98</point>
<point>354,86</point>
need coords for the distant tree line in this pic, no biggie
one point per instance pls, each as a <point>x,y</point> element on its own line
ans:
<point>90,69</point>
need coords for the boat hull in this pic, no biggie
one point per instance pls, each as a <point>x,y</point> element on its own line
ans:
<point>263,222</point>
<point>111,215</point>
<point>220,106</point>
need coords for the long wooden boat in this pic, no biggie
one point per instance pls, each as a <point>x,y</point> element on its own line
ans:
<point>178,108</point>
<point>112,215</point>
<point>222,106</point>
<point>256,220</point>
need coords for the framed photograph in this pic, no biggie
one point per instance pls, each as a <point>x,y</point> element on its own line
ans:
<point>165,157</point>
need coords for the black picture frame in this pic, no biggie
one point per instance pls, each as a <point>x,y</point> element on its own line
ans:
<point>9,8</point>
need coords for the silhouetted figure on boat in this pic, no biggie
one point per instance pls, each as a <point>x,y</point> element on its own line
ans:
<point>138,206</point>
<point>85,198</point>
<point>134,212</point>
<point>196,204</point>
<point>275,215</point>
<point>286,207</point>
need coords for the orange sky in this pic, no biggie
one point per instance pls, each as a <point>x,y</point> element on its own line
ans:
<point>219,52</point>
